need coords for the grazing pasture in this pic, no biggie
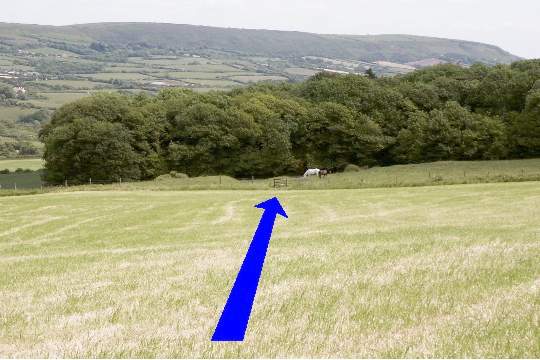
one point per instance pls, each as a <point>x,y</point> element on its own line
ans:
<point>438,173</point>
<point>446,271</point>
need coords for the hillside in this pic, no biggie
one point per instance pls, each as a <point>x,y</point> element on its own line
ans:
<point>45,67</point>
<point>393,48</point>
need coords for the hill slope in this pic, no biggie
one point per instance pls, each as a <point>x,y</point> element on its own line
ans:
<point>394,48</point>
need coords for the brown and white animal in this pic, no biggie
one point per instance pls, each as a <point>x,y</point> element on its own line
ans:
<point>324,173</point>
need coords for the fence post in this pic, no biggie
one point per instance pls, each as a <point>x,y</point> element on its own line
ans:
<point>252,179</point>
<point>15,186</point>
<point>120,180</point>
<point>65,183</point>
<point>219,179</point>
<point>90,181</point>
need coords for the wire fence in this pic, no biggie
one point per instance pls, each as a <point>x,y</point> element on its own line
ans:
<point>376,178</point>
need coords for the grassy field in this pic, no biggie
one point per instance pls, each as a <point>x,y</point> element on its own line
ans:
<point>439,173</point>
<point>201,75</point>
<point>19,181</point>
<point>13,113</point>
<point>119,76</point>
<point>447,271</point>
<point>75,84</point>
<point>256,78</point>
<point>212,83</point>
<point>54,100</point>
<point>14,164</point>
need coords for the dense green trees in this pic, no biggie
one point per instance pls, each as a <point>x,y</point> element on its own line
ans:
<point>6,92</point>
<point>445,112</point>
<point>34,118</point>
<point>525,128</point>
<point>106,136</point>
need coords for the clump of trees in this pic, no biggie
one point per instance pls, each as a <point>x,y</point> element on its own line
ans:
<point>35,118</point>
<point>6,92</point>
<point>445,112</point>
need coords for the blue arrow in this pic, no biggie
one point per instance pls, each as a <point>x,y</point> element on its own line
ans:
<point>234,320</point>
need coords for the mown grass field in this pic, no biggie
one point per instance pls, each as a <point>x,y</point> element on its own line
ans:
<point>445,271</point>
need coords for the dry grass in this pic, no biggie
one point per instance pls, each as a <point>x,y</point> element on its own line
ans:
<point>448,271</point>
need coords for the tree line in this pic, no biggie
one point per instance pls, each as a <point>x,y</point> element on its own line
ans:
<point>445,112</point>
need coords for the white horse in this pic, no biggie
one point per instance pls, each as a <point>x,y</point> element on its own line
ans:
<point>312,172</point>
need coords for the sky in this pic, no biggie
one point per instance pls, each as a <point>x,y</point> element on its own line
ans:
<point>512,25</point>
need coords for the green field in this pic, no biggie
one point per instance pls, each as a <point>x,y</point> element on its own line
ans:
<point>256,78</point>
<point>75,84</point>
<point>120,76</point>
<point>12,131</point>
<point>301,71</point>
<point>212,83</point>
<point>201,75</point>
<point>13,113</point>
<point>54,100</point>
<point>14,164</point>
<point>19,181</point>
<point>170,62</point>
<point>438,173</point>
<point>447,271</point>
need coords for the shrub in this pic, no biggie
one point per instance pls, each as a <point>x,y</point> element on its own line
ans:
<point>178,175</point>
<point>352,168</point>
<point>5,171</point>
<point>163,177</point>
<point>171,175</point>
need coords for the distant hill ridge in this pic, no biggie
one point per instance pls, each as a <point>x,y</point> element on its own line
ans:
<point>272,43</point>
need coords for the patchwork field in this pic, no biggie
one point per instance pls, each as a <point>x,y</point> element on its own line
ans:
<point>447,271</point>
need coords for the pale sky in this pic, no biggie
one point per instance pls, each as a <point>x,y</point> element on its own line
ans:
<point>512,25</point>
